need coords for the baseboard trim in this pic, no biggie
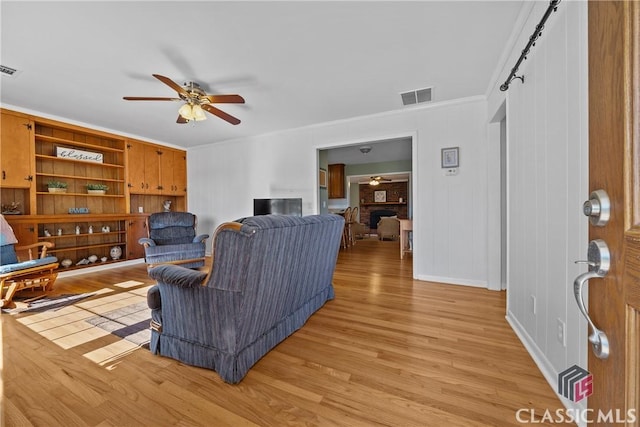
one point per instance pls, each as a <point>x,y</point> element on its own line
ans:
<point>450,281</point>
<point>543,364</point>
<point>99,267</point>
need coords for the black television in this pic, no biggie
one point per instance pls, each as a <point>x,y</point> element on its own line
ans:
<point>277,207</point>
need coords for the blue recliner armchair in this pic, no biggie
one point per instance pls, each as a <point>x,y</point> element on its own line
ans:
<point>172,239</point>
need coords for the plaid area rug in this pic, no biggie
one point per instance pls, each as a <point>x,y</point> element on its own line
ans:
<point>53,302</point>
<point>130,323</point>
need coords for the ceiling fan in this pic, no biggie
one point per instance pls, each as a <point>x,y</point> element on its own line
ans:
<point>196,101</point>
<point>375,180</point>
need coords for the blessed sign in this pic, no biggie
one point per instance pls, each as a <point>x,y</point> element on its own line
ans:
<point>75,154</point>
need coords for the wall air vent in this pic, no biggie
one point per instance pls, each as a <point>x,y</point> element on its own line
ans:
<point>8,71</point>
<point>416,96</point>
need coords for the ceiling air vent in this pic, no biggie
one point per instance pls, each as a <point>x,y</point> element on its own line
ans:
<point>8,71</point>
<point>416,96</point>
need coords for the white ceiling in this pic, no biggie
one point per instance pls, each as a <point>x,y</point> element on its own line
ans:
<point>388,150</point>
<point>296,63</point>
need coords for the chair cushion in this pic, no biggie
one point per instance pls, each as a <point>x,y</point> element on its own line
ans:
<point>8,255</point>
<point>10,268</point>
<point>170,228</point>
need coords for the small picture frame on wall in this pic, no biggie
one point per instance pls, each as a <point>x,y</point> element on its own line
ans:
<point>380,196</point>
<point>450,157</point>
<point>322,178</point>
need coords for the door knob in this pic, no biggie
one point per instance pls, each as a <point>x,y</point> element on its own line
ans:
<point>599,261</point>
<point>597,208</point>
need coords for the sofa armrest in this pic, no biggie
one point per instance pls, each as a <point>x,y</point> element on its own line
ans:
<point>145,241</point>
<point>177,276</point>
<point>153,298</point>
<point>200,238</point>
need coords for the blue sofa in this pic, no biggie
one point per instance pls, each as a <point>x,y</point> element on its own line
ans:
<point>270,274</point>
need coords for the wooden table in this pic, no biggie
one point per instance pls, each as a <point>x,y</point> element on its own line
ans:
<point>406,225</point>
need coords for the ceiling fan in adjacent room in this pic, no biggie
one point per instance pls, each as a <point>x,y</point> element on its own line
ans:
<point>196,101</point>
<point>375,180</point>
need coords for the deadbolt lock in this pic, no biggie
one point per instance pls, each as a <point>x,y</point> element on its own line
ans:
<point>597,208</point>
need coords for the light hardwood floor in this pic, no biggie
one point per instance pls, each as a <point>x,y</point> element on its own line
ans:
<point>387,351</point>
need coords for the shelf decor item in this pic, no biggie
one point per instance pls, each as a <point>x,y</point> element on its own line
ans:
<point>78,210</point>
<point>97,188</point>
<point>115,252</point>
<point>57,186</point>
<point>12,208</point>
<point>81,155</point>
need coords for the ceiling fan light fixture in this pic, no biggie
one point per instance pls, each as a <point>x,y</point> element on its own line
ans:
<point>374,182</point>
<point>186,111</point>
<point>198,113</point>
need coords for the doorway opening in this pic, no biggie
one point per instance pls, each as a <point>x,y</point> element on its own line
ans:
<point>389,159</point>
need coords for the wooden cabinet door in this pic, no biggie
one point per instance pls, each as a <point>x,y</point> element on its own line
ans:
<point>336,181</point>
<point>166,170</point>
<point>135,167</point>
<point>173,172</point>
<point>152,169</point>
<point>179,173</point>
<point>24,232</point>
<point>136,229</point>
<point>16,151</point>
<point>143,164</point>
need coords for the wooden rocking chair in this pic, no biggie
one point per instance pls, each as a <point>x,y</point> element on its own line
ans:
<point>37,272</point>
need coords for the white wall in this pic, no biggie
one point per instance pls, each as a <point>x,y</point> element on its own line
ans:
<point>449,212</point>
<point>547,155</point>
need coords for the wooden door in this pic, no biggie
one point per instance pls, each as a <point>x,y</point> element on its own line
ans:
<point>15,151</point>
<point>614,166</point>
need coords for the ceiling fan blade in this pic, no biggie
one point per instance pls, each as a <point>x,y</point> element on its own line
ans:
<point>146,98</point>
<point>225,99</point>
<point>181,120</point>
<point>173,85</point>
<point>216,112</point>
